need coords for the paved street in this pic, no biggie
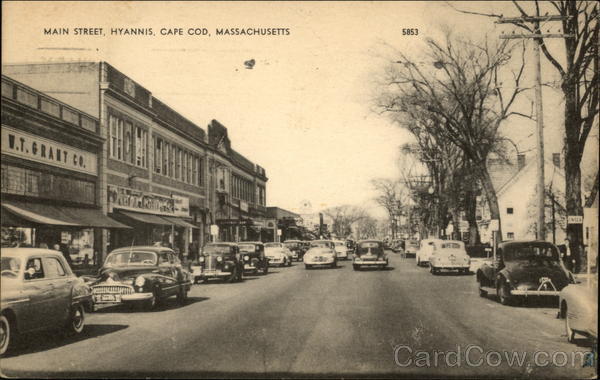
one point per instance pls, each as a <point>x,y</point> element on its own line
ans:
<point>321,322</point>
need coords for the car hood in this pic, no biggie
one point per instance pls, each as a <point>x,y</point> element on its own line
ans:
<point>520,272</point>
<point>123,273</point>
<point>313,254</point>
<point>458,255</point>
<point>274,254</point>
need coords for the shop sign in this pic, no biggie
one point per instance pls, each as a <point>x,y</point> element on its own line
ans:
<point>574,219</point>
<point>135,200</point>
<point>214,229</point>
<point>181,205</point>
<point>34,148</point>
<point>244,206</point>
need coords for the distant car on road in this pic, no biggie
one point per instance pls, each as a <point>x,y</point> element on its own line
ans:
<point>253,255</point>
<point>219,260</point>
<point>341,250</point>
<point>142,275</point>
<point>369,253</point>
<point>578,306</point>
<point>411,247</point>
<point>39,291</point>
<point>523,269</point>
<point>320,256</point>
<point>425,251</point>
<point>284,249</point>
<point>278,256</point>
<point>449,255</point>
<point>398,246</point>
<point>296,247</point>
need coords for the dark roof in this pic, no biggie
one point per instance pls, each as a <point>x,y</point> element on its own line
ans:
<point>142,247</point>
<point>172,117</point>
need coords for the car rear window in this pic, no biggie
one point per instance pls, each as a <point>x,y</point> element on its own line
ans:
<point>216,249</point>
<point>247,247</point>
<point>131,258</point>
<point>10,266</point>
<point>451,246</point>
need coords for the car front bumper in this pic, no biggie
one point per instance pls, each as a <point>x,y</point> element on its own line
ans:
<point>322,261</point>
<point>276,261</point>
<point>214,274</point>
<point>450,266</point>
<point>366,263</point>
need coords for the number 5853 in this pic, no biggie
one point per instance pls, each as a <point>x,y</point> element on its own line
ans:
<point>410,32</point>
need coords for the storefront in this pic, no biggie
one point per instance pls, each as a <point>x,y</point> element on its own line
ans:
<point>50,175</point>
<point>154,218</point>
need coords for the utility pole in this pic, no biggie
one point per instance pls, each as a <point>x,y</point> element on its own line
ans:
<point>538,38</point>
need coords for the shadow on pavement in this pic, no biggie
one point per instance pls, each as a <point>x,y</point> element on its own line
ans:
<point>374,269</point>
<point>47,340</point>
<point>454,273</point>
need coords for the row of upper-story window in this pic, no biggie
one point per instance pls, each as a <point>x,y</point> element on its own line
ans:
<point>242,188</point>
<point>171,160</point>
<point>128,142</point>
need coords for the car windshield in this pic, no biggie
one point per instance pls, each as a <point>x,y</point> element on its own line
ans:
<point>247,247</point>
<point>322,244</point>
<point>10,266</point>
<point>339,244</point>
<point>271,245</point>
<point>292,244</point>
<point>533,253</point>
<point>370,247</point>
<point>216,248</point>
<point>130,258</point>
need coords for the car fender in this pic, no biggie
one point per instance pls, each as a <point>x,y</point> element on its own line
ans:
<point>504,275</point>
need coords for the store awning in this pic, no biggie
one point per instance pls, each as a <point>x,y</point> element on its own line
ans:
<point>141,217</point>
<point>179,222</point>
<point>43,214</point>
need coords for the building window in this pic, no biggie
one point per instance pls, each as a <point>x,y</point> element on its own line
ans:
<point>158,154</point>
<point>113,136</point>
<point>190,171</point>
<point>141,141</point>
<point>172,161</point>
<point>165,160</point>
<point>200,172</point>
<point>510,210</point>
<point>510,235</point>
<point>184,166</point>
<point>128,145</point>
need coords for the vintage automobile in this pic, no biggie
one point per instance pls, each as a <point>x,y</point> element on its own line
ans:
<point>523,269</point>
<point>278,256</point>
<point>141,276</point>
<point>253,255</point>
<point>39,291</point>
<point>296,247</point>
<point>578,306</point>
<point>425,251</point>
<point>411,247</point>
<point>398,246</point>
<point>320,256</point>
<point>449,255</point>
<point>219,260</point>
<point>286,251</point>
<point>369,253</point>
<point>341,250</point>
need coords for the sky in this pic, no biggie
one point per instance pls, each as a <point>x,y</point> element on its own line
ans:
<point>305,112</point>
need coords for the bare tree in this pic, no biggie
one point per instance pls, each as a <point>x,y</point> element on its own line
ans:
<point>343,218</point>
<point>390,196</point>
<point>463,101</point>
<point>580,86</point>
<point>366,228</point>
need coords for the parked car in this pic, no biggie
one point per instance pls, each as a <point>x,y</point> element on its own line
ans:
<point>341,250</point>
<point>253,255</point>
<point>411,247</point>
<point>425,251</point>
<point>141,275</point>
<point>449,255</point>
<point>39,291</point>
<point>219,260</point>
<point>296,247</point>
<point>320,256</point>
<point>278,256</point>
<point>523,269</point>
<point>578,306</point>
<point>369,253</point>
<point>284,249</point>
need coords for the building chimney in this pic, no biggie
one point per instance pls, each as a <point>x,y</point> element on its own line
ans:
<point>520,161</point>
<point>556,159</point>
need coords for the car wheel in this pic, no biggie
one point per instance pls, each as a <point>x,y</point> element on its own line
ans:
<point>307,266</point>
<point>418,262</point>
<point>76,321</point>
<point>182,296</point>
<point>6,338</point>
<point>570,332</point>
<point>482,293</point>
<point>355,267</point>
<point>503,293</point>
<point>265,269</point>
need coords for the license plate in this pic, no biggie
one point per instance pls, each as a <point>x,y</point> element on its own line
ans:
<point>108,298</point>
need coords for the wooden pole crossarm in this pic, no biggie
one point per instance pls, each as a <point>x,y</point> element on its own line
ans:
<point>510,20</point>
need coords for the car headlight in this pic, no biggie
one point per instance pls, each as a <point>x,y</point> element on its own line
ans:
<point>219,258</point>
<point>140,281</point>
<point>201,259</point>
<point>246,258</point>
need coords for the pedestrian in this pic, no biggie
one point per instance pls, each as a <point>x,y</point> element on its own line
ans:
<point>64,249</point>
<point>565,254</point>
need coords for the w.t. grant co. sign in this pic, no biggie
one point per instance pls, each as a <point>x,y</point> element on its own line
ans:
<point>34,148</point>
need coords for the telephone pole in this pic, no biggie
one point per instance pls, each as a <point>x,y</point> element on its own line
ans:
<point>538,38</point>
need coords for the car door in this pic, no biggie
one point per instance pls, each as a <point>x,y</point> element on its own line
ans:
<point>62,283</point>
<point>41,311</point>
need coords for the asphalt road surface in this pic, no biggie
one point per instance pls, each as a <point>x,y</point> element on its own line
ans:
<point>401,322</point>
